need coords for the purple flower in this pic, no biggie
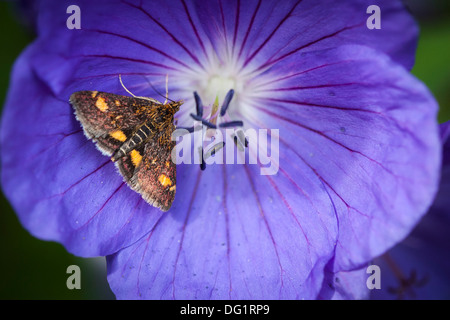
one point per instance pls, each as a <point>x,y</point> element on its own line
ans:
<point>418,267</point>
<point>358,142</point>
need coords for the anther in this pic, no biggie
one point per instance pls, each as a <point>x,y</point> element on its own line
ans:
<point>202,156</point>
<point>237,123</point>
<point>198,104</point>
<point>214,149</point>
<point>240,140</point>
<point>226,102</point>
<point>205,122</point>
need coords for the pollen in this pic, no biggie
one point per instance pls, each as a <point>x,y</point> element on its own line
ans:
<point>94,94</point>
<point>101,104</point>
<point>118,135</point>
<point>136,157</point>
<point>117,102</point>
<point>164,180</point>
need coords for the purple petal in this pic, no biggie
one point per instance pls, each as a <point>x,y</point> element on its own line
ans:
<point>445,135</point>
<point>61,187</point>
<point>231,239</point>
<point>359,122</point>
<point>349,186</point>
<point>252,29</point>
<point>345,285</point>
<point>265,33</point>
<point>418,267</point>
<point>342,157</point>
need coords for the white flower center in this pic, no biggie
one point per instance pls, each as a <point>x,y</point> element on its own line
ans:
<point>218,85</point>
<point>216,78</point>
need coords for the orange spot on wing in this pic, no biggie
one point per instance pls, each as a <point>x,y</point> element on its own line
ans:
<point>101,104</point>
<point>118,135</point>
<point>136,157</point>
<point>164,180</point>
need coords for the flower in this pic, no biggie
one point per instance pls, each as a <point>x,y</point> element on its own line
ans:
<point>351,122</point>
<point>417,268</point>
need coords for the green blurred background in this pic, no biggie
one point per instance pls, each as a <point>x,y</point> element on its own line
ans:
<point>35,269</point>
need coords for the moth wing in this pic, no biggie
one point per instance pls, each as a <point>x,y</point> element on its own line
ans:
<point>108,144</point>
<point>149,170</point>
<point>109,119</point>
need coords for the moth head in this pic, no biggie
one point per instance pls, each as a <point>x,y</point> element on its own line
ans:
<point>175,105</point>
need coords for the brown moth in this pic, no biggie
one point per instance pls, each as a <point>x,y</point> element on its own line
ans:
<point>136,133</point>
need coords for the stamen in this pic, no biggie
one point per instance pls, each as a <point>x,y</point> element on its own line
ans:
<point>237,123</point>
<point>406,284</point>
<point>214,149</point>
<point>198,104</point>
<point>226,102</point>
<point>239,137</point>
<point>202,157</point>
<point>240,140</point>
<point>214,111</point>
<point>213,118</point>
<point>205,122</point>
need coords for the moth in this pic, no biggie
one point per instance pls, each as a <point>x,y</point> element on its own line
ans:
<point>136,133</point>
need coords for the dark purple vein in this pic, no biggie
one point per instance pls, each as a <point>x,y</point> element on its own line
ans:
<point>178,42</point>
<point>122,73</point>
<point>222,16</point>
<point>129,59</point>
<point>266,223</point>
<point>297,74</point>
<point>328,138</point>
<point>188,213</point>
<point>302,103</point>
<point>33,157</point>
<point>247,32</point>
<point>247,61</point>
<point>319,86</point>
<point>236,26</point>
<point>161,52</point>
<point>227,226</point>
<point>103,206</point>
<point>328,184</point>
<point>150,233</point>
<point>193,27</point>
<point>84,177</point>
<point>271,62</point>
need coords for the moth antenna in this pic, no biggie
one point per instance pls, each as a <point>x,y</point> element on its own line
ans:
<point>123,86</point>
<point>167,89</point>
<point>145,98</point>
